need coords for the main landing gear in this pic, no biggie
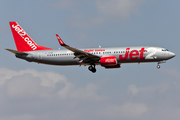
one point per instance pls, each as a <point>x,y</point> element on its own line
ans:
<point>92,68</point>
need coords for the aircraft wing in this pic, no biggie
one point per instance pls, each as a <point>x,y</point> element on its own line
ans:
<point>82,55</point>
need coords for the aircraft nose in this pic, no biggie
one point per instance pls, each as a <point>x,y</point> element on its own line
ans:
<point>171,55</point>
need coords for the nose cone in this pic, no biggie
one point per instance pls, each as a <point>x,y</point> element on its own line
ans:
<point>171,55</point>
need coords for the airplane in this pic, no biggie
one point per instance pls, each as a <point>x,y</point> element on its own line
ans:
<point>108,58</point>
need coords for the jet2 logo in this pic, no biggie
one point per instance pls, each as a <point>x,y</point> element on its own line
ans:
<point>110,60</point>
<point>61,41</point>
<point>24,36</point>
<point>20,31</point>
<point>133,55</point>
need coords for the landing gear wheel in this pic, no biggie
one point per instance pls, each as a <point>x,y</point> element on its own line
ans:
<point>158,66</point>
<point>92,68</point>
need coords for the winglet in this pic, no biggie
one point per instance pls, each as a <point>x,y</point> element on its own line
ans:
<point>60,41</point>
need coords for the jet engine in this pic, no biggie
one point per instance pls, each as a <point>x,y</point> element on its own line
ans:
<point>108,61</point>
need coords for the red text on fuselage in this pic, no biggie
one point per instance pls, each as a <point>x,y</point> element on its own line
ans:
<point>133,54</point>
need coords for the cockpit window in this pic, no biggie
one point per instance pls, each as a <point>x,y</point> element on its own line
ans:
<point>165,50</point>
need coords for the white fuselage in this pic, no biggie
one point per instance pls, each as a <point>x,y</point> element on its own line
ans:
<point>122,54</point>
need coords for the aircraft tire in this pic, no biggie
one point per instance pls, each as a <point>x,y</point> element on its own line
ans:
<point>158,66</point>
<point>90,68</point>
<point>94,70</point>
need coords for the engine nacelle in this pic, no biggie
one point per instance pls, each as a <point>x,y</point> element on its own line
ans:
<point>108,61</point>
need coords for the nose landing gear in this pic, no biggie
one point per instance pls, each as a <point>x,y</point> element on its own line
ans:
<point>92,68</point>
<point>158,66</point>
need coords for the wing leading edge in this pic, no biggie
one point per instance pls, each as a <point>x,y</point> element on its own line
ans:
<point>82,55</point>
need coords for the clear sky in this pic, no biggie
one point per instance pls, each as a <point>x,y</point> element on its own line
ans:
<point>31,91</point>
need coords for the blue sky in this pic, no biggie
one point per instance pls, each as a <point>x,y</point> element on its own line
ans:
<point>30,91</point>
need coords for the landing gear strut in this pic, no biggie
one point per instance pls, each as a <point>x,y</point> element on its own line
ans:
<point>92,68</point>
<point>158,66</point>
